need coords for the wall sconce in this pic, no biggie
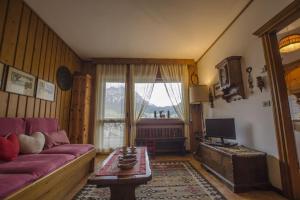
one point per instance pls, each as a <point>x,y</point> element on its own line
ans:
<point>260,83</point>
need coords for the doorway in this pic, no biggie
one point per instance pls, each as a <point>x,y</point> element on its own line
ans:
<point>284,73</point>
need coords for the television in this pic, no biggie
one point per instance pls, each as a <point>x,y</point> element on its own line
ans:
<point>221,128</point>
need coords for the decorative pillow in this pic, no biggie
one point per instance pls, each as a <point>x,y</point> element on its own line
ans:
<point>56,138</point>
<point>31,144</point>
<point>9,147</point>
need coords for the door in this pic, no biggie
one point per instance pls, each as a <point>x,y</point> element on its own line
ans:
<point>284,83</point>
<point>288,40</point>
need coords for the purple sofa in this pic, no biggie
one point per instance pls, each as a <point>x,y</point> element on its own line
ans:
<point>28,168</point>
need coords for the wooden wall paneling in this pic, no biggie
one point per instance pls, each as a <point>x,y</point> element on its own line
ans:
<point>22,38</point>
<point>28,57</point>
<point>3,12</point>
<point>58,94</point>
<point>11,30</point>
<point>62,94</point>
<point>47,71</point>
<point>68,93</point>
<point>57,60</point>
<point>31,46</point>
<point>13,98</point>
<point>52,73</point>
<point>30,43</point>
<point>20,54</point>
<point>12,106</point>
<point>41,68</point>
<point>35,65</point>
<point>3,9</point>
<point>8,49</point>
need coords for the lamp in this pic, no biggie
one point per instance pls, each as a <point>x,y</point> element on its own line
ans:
<point>198,94</point>
<point>289,43</point>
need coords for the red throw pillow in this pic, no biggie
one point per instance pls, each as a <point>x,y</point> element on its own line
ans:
<point>9,147</point>
<point>56,138</point>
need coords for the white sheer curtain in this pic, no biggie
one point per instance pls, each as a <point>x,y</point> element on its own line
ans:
<point>142,82</point>
<point>175,78</point>
<point>110,107</point>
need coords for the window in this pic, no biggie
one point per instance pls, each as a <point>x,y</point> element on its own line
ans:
<point>114,115</point>
<point>159,101</point>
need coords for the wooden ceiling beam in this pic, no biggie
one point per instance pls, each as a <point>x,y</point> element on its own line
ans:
<point>142,61</point>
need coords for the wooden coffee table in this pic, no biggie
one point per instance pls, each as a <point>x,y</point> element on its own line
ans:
<point>122,187</point>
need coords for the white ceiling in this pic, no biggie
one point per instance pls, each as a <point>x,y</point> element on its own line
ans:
<point>138,28</point>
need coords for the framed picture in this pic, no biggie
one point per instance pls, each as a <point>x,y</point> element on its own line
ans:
<point>20,82</point>
<point>1,74</point>
<point>217,90</point>
<point>45,90</point>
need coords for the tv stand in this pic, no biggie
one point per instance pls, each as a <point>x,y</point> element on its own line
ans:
<point>240,168</point>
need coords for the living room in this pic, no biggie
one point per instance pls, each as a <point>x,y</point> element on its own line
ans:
<point>149,99</point>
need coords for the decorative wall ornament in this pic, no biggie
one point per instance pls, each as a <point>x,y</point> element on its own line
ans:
<point>260,82</point>
<point>1,74</point>
<point>20,82</point>
<point>217,90</point>
<point>45,90</point>
<point>64,78</point>
<point>250,79</point>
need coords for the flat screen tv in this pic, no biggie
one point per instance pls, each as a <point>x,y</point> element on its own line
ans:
<point>220,128</point>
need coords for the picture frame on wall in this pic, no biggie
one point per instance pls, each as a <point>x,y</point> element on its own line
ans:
<point>217,90</point>
<point>20,82</point>
<point>1,74</point>
<point>45,90</point>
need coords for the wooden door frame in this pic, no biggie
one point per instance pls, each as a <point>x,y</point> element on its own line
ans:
<point>283,123</point>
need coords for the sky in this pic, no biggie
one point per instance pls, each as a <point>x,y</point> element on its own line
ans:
<point>159,95</point>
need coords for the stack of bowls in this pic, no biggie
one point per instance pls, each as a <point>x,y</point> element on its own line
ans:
<point>128,158</point>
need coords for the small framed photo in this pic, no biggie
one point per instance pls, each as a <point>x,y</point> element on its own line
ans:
<point>1,74</point>
<point>45,90</point>
<point>20,82</point>
<point>217,90</point>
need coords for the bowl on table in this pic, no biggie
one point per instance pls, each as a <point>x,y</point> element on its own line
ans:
<point>129,165</point>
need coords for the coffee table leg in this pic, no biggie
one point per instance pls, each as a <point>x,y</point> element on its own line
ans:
<point>122,192</point>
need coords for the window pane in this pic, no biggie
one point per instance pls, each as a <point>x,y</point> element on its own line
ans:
<point>159,101</point>
<point>113,135</point>
<point>114,101</point>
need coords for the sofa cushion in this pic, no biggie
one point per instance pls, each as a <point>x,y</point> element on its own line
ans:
<point>44,125</point>
<point>56,138</point>
<point>9,147</point>
<point>37,165</point>
<point>10,183</point>
<point>11,125</point>
<point>31,143</point>
<point>73,149</point>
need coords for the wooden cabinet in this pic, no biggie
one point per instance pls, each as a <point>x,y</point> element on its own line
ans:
<point>230,78</point>
<point>239,167</point>
<point>80,109</point>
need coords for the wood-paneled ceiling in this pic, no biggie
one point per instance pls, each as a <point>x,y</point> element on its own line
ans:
<point>138,28</point>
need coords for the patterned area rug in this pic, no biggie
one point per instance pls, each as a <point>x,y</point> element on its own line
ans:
<point>177,180</point>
